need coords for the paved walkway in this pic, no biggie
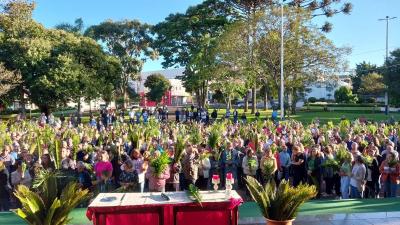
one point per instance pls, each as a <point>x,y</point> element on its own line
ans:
<point>380,218</point>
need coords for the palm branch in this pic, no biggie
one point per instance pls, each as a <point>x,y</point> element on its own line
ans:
<point>194,193</point>
<point>280,203</point>
<point>179,148</point>
<point>39,208</point>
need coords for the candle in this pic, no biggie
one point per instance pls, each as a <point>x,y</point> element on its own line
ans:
<point>229,176</point>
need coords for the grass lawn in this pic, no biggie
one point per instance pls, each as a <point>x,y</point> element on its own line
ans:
<point>305,116</point>
<point>250,209</point>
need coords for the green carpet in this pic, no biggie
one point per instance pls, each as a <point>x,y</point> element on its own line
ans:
<point>319,207</point>
<point>250,209</point>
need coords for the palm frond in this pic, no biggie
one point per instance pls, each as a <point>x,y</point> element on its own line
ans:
<point>280,203</point>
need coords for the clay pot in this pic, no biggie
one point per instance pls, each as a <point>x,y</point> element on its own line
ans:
<point>275,222</point>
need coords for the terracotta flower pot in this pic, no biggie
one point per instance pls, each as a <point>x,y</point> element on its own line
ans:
<point>275,222</point>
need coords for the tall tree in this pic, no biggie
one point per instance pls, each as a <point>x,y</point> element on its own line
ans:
<point>372,84</point>
<point>362,69</point>
<point>8,80</point>
<point>56,66</point>
<point>391,72</point>
<point>248,10</point>
<point>187,39</point>
<point>158,86</point>
<point>78,27</point>
<point>129,41</point>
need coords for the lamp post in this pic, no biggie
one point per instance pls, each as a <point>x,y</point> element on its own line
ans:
<point>387,18</point>
<point>282,55</point>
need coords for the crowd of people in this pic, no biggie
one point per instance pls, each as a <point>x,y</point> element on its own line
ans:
<point>147,152</point>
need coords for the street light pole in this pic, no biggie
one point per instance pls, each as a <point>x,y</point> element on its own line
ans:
<point>282,92</point>
<point>387,18</point>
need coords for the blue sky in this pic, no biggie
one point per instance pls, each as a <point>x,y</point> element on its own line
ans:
<point>361,30</point>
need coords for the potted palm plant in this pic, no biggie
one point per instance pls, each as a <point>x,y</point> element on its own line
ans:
<point>46,206</point>
<point>279,205</point>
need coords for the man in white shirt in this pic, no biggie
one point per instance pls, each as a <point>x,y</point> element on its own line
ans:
<point>132,116</point>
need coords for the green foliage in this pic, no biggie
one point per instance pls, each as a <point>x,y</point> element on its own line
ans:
<point>367,160</point>
<point>56,66</point>
<point>331,163</point>
<point>8,80</point>
<point>179,148</point>
<point>280,203</point>
<point>391,71</point>
<point>218,96</point>
<point>214,138</point>
<point>312,99</point>
<point>195,135</point>
<point>187,40</point>
<point>252,164</point>
<point>372,83</point>
<point>194,194</point>
<point>45,208</point>
<point>393,162</point>
<point>129,41</point>
<point>345,95</point>
<point>160,164</point>
<point>342,154</point>
<point>362,69</point>
<point>307,139</point>
<point>158,85</point>
<point>267,169</point>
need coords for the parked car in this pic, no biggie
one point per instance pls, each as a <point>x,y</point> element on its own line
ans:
<point>134,106</point>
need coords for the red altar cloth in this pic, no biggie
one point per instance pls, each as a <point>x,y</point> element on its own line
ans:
<point>215,212</point>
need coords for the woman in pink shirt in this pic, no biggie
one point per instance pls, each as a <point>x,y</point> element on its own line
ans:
<point>103,169</point>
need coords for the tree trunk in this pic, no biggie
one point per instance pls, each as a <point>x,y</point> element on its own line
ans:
<point>204,94</point>
<point>228,103</point>
<point>197,97</point>
<point>79,107</point>
<point>265,100</point>
<point>293,102</point>
<point>126,98</point>
<point>22,101</point>
<point>246,102</point>
<point>254,99</point>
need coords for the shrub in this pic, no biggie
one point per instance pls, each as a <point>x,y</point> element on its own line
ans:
<point>345,95</point>
<point>312,99</point>
<point>371,100</point>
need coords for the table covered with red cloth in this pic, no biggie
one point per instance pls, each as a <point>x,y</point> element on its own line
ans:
<point>151,209</point>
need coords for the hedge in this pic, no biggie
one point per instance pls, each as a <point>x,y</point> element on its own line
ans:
<point>347,105</point>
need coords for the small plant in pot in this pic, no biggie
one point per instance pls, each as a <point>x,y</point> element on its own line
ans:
<point>279,205</point>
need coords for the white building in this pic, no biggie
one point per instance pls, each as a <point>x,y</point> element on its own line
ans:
<point>325,89</point>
